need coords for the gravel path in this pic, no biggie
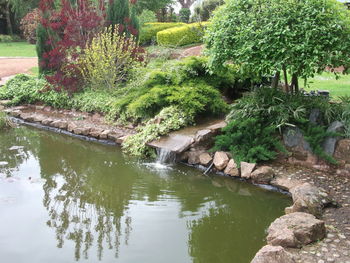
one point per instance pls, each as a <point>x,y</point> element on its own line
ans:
<point>12,66</point>
<point>336,246</point>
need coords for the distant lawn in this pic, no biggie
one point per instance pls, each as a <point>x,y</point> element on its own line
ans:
<point>34,71</point>
<point>17,49</point>
<point>327,81</point>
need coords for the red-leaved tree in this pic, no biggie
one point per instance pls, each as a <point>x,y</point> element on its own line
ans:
<point>69,29</point>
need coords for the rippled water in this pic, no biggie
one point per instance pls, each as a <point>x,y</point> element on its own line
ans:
<point>66,200</point>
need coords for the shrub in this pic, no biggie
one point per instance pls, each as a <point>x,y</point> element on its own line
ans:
<point>185,14</point>
<point>184,35</point>
<point>192,98</point>
<point>147,16</point>
<point>249,140</point>
<point>275,108</point>
<point>29,24</point>
<point>149,30</point>
<point>108,59</point>
<point>64,32</point>
<point>8,38</point>
<point>172,118</point>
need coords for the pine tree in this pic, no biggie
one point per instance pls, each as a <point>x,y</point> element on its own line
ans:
<point>118,14</point>
<point>134,23</point>
<point>42,47</point>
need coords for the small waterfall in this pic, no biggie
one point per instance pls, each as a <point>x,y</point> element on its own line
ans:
<point>165,156</point>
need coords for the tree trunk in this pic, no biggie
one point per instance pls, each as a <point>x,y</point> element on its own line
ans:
<point>286,87</point>
<point>295,83</point>
<point>8,19</point>
<point>275,80</point>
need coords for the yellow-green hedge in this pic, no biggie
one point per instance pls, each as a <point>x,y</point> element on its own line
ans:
<point>184,35</point>
<point>149,30</point>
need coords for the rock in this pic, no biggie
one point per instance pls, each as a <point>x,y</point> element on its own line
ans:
<point>294,138</point>
<point>231,168</point>
<point>263,175</point>
<point>38,118</point>
<point>203,135</point>
<point>295,230</point>
<point>247,169</point>
<point>273,254</point>
<point>95,132</point>
<point>39,107</point>
<point>60,124</point>
<point>72,126</point>
<point>330,142</point>
<point>104,134</point>
<point>174,142</point>
<point>220,160</point>
<point>47,121</point>
<point>205,159</point>
<point>120,140</point>
<point>27,117</point>
<point>215,128</point>
<point>82,131</point>
<point>309,199</point>
<point>14,113</point>
<point>315,116</point>
<point>285,183</point>
<point>342,151</point>
<point>114,135</point>
<point>193,157</point>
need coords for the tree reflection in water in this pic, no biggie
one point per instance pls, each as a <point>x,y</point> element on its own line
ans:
<point>89,191</point>
<point>83,207</point>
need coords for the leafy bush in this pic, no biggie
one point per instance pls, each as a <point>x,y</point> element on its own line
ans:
<point>249,140</point>
<point>275,108</point>
<point>172,118</point>
<point>192,98</point>
<point>108,59</point>
<point>204,10</point>
<point>185,14</point>
<point>184,35</point>
<point>8,38</point>
<point>147,16</point>
<point>149,30</point>
<point>29,24</point>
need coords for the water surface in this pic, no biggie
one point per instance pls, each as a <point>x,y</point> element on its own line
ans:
<point>67,200</point>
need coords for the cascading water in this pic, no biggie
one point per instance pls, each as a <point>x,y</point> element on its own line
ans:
<point>165,156</point>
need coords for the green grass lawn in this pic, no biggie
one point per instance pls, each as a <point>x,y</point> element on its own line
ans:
<point>327,81</point>
<point>17,49</point>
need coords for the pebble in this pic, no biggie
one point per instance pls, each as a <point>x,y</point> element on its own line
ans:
<point>321,261</point>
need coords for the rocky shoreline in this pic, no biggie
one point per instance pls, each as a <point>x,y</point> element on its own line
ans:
<point>303,223</point>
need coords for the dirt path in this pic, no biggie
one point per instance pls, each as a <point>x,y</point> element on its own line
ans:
<point>12,66</point>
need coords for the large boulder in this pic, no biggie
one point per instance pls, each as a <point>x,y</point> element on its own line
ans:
<point>247,169</point>
<point>193,157</point>
<point>205,159</point>
<point>295,230</point>
<point>309,199</point>
<point>263,175</point>
<point>330,142</point>
<point>220,160</point>
<point>273,254</point>
<point>231,168</point>
<point>294,138</point>
<point>285,182</point>
<point>342,151</point>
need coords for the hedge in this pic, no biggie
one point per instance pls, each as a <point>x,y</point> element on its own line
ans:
<point>149,30</point>
<point>184,35</point>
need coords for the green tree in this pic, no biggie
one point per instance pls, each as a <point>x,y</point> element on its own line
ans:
<point>299,38</point>
<point>153,5</point>
<point>118,13</point>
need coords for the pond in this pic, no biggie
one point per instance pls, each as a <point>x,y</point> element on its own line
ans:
<point>65,200</point>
